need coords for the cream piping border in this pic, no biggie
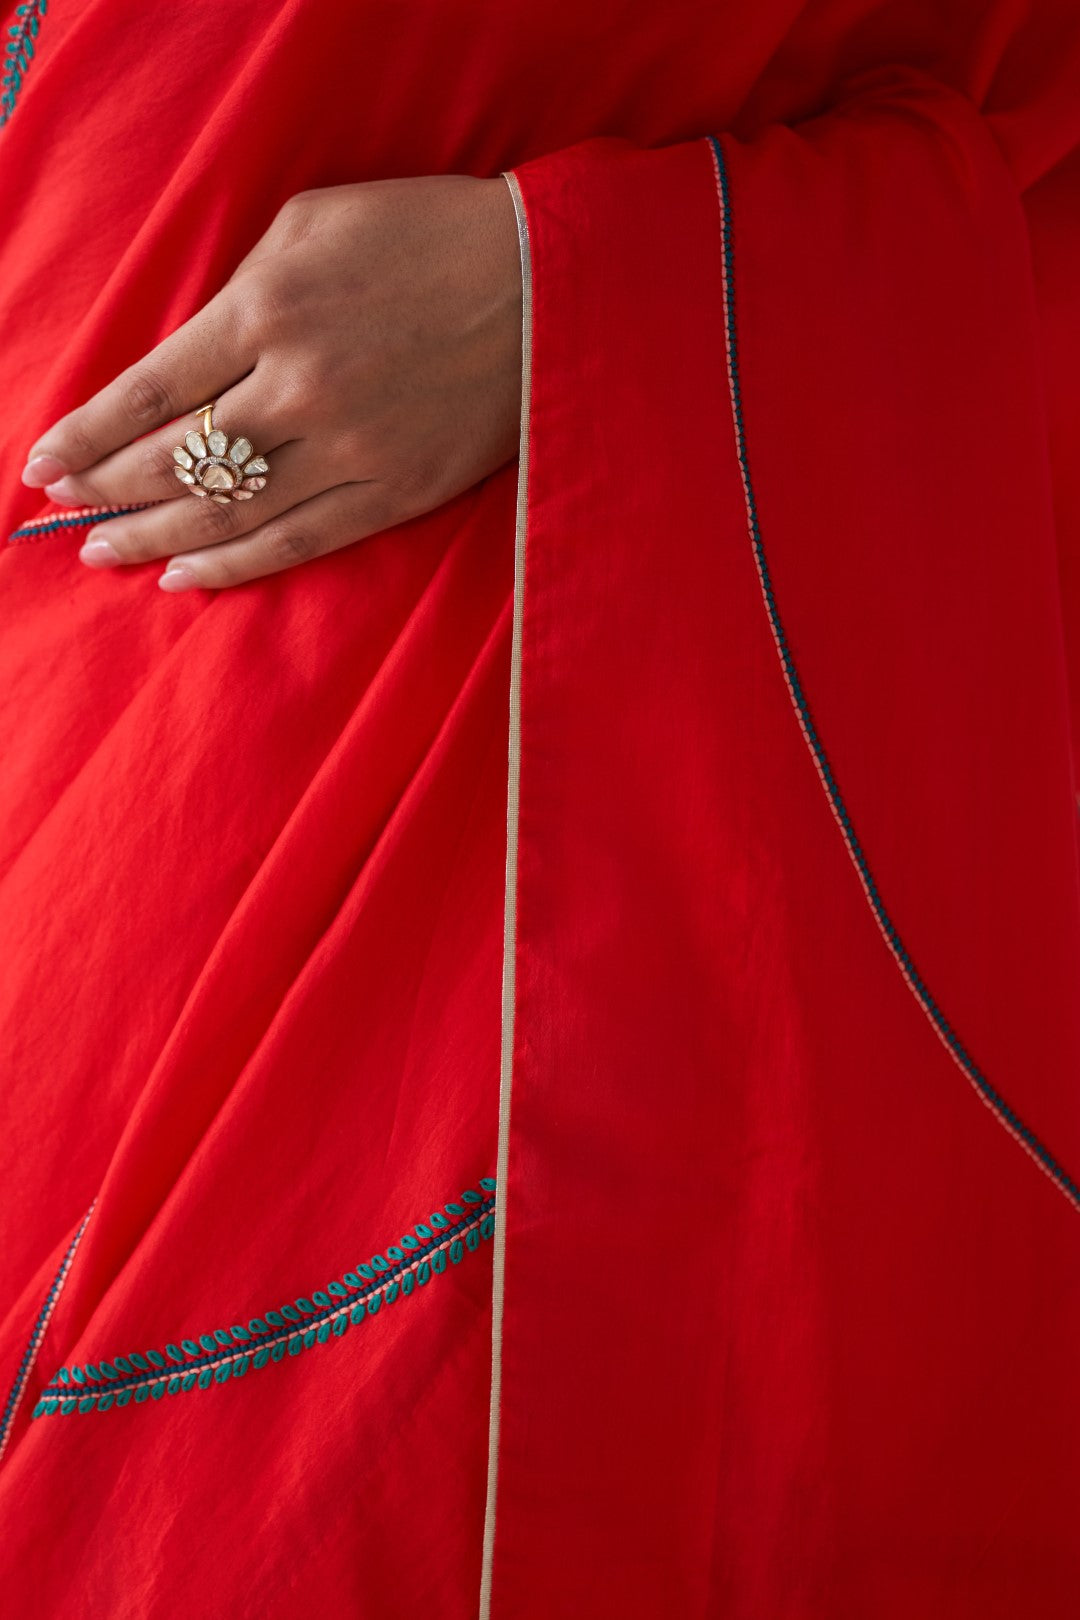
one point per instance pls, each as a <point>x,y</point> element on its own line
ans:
<point>513,805</point>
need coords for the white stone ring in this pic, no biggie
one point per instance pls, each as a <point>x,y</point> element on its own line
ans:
<point>207,464</point>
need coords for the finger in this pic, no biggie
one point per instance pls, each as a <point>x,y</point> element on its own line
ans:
<point>176,526</point>
<point>328,522</point>
<point>147,470</point>
<point>195,363</point>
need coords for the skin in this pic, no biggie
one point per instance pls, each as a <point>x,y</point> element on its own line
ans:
<point>369,346</point>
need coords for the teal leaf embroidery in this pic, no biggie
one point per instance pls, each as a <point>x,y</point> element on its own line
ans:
<point>19,52</point>
<point>327,1313</point>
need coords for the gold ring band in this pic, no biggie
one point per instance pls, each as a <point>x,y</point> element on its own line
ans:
<point>207,464</point>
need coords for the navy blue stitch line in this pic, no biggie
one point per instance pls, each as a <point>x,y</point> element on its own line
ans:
<point>258,1341</point>
<point>967,1063</point>
<point>70,520</point>
<point>33,1343</point>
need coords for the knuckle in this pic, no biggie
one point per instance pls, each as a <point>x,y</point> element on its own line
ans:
<point>75,444</point>
<point>295,205</point>
<point>125,543</point>
<point>146,397</point>
<point>295,214</point>
<point>159,460</point>
<point>216,573</point>
<point>220,520</point>
<point>288,543</point>
<point>262,303</point>
<point>304,387</point>
<point>383,507</point>
<point>415,484</point>
<point>131,549</point>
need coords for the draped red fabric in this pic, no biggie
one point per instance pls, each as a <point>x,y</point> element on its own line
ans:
<point>744,959</point>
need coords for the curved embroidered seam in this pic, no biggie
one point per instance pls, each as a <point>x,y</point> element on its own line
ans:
<point>304,1310</point>
<point>30,1354</point>
<point>19,52</point>
<point>80,518</point>
<point>400,1271</point>
<point>1003,1113</point>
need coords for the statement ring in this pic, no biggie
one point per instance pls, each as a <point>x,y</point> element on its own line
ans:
<point>207,464</point>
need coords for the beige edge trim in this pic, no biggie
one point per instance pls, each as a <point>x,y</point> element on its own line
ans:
<point>513,796</point>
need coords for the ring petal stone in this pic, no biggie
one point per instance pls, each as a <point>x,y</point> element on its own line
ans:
<point>214,468</point>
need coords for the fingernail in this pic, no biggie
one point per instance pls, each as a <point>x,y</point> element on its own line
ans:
<point>41,470</point>
<point>99,554</point>
<point>62,493</point>
<point>177,579</point>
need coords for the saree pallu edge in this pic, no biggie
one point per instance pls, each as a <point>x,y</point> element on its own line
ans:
<point>795,892</point>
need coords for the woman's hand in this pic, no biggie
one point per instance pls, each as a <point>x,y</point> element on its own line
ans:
<point>369,346</point>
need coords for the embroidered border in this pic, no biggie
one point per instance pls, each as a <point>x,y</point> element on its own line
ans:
<point>78,518</point>
<point>19,53</point>
<point>1003,1113</point>
<point>30,1354</point>
<point>214,1358</point>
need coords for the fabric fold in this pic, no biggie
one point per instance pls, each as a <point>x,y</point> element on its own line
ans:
<point>815,891</point>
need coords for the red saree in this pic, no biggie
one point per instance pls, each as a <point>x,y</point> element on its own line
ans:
<point>776,883</point>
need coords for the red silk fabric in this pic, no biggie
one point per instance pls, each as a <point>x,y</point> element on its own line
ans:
<point>786,1320</point>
